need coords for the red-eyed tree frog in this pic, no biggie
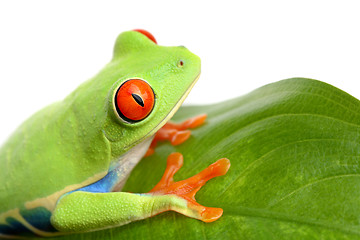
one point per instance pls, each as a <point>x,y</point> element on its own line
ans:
<point>62,170</point>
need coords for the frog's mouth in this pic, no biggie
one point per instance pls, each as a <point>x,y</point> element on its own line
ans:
<point>171,113</point>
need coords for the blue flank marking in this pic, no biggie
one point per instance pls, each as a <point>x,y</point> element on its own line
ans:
<point>103,185</point>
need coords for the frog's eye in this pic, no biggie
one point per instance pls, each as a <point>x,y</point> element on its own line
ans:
<point>146,33</point>
<point>134,100</point>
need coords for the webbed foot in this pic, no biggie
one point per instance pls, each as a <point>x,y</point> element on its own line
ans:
<point>186,189</point>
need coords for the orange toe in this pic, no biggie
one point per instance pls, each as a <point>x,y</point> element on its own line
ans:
<point>220,167</point>
<point>174,163</point>
<point>186,189</point>
<point>195,121</point>
<point>176,133</point>
<point>180,137</point>
<point>211,214</point>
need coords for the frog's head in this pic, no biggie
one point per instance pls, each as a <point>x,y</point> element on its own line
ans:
<point>146,84</point>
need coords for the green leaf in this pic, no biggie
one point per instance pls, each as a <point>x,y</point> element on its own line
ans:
<point>295,172</point>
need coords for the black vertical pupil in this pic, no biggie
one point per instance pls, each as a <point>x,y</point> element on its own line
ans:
<point>138,99</point>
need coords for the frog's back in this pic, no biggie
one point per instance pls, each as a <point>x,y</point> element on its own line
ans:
<point>48,155</point>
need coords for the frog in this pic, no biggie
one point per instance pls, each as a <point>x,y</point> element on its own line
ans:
<point>63,169</point>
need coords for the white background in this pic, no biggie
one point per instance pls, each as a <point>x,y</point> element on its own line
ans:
<point>47,48</point>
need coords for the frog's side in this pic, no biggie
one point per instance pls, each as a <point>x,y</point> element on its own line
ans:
<point>79,150</point>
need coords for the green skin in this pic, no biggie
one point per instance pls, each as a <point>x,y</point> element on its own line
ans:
<point>73,143</point>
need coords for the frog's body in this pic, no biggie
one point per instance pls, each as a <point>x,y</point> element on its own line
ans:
<point>81,147</point>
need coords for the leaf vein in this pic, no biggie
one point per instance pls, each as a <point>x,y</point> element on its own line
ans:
<point>312,183</point>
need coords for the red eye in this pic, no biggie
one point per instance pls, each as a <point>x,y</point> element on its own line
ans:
<point>134,100</point>
<point>146,33</point>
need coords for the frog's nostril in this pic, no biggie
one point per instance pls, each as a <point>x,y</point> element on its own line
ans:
<point>146,33</point>
<point>181,63</point>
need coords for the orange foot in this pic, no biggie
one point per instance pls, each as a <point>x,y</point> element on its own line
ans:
<point>176,133</point>
<point>187,189</point>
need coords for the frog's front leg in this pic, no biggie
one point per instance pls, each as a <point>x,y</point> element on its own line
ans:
<point>84,211</point>
<point>176,133</point>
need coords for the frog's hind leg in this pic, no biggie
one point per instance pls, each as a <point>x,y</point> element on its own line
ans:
<point>87,211</point>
